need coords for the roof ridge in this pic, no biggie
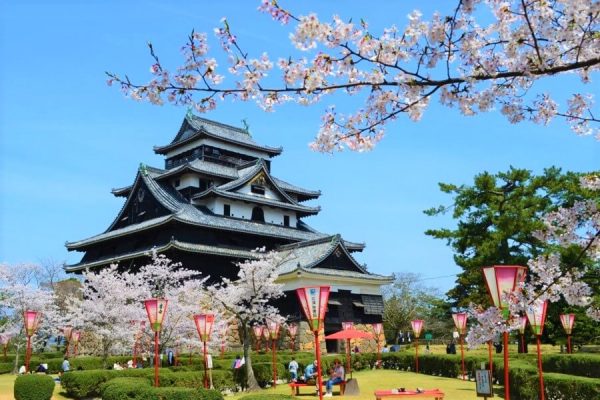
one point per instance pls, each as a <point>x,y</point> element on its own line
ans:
<point>311,242</point>
<point>210,121</point>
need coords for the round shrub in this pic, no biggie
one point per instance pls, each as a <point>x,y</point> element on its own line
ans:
<point>271,396</point>
<point>34,387</point>
<point>126,389</point>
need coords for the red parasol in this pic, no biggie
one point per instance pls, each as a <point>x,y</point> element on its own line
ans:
<point>348,334</point>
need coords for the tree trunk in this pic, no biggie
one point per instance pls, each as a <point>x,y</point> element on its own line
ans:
<point>17,349</point>
<point>250,378</point>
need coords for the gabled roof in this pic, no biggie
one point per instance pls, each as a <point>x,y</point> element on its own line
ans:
<point>216,192</point>
<point>184,212</point>
<point>248,174</point>
<point>221,171</point>
<point>307,255</point>
<point>310,253</point>
<point>194,128</point>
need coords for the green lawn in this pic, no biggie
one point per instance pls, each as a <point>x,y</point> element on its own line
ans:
<point>371,380</point>
<point>368,381</point>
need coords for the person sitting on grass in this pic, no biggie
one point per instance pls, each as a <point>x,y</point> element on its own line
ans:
<point>336,377</point>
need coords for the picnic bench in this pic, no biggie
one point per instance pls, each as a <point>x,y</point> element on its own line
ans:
<point>409,394</point>
<point>295,386</point>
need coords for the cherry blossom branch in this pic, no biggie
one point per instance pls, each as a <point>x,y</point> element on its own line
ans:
<point>497,64</point>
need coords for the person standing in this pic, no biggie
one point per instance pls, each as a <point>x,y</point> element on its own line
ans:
<point>66,366</point>
<point>293,368</point>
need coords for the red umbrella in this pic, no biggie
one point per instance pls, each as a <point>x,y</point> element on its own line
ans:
<point>348,334</point>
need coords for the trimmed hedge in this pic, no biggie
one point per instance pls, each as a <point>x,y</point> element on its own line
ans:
<point>33,387</point>
<point>81,384</point>
<point>267,397</point>
<point>140,389</point>
<point>580,364</point>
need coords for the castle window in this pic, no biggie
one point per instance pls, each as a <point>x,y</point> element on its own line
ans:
<point>256,189</point>
<point>286,220</point>
<point>226,210</point>
<point>258,214</point>
<point>176,183</point>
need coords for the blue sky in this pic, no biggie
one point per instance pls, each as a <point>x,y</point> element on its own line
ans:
<point>66,138</point>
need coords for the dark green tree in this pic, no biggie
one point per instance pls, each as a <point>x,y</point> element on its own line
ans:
<point>496,217</point>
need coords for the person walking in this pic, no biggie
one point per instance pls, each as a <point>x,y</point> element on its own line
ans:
<point>293,368</point>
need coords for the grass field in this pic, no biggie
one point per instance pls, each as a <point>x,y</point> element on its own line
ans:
<point>368,381</point>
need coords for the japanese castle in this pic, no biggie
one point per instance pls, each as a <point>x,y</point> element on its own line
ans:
<point>214,202</point>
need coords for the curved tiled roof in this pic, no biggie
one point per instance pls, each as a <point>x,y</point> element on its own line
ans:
<point>194,127</point>
<point>185,212</point>
<point>173,244</point>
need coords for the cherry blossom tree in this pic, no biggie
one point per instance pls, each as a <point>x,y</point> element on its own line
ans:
<point>19,292</point>
<point>109,302</point>
<point>246,299</point>
<point>112,298</point>
<point>480,56</point>
<point>551,276</point>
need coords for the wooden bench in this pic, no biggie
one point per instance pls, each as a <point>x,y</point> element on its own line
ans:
<point>295,386</point>
<point>431,393</point>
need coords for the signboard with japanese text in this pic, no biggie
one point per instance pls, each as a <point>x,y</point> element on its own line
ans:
<point>483,383</point>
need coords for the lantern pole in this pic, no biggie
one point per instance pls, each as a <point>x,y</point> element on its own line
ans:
<point>273,330</point>
<point>314,304</point>
<point>156,309</point>
<point>204,324</point>
<point>501,280</point>
<point>460,321</point>
<point>491,356</point>
<point>417,327</point>
<point>377,329</point>
<point>567,321</point>
<point>522,326</point>
<point>32,320</point>
<point>536,313</point>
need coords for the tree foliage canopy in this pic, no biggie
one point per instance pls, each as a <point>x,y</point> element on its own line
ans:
<point>496,218</point>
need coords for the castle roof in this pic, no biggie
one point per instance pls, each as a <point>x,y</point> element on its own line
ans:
<point>226,172</point>
<point>194,128</point>
<point>182,211</point>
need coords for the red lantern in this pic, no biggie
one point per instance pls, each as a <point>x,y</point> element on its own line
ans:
<point>417,327</point>
<point>501,280</point>
<point>314,305</point>
<point>156,310</point>
<point>536,314</point>
<point>460,321</point>
<point>32,321</point>
<point>258,333</point>
<point>347,325</point>
<point>568,321</point>
<point>204,324</point>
